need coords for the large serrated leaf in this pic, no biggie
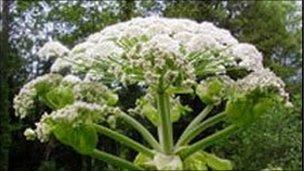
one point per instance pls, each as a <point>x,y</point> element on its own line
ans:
<point>150,112</point>
<point>111,99</point>
<point>83,138</point>
<point>202,161</point>
<point>196,161</point>
<point>179,110</point>
<point>59,97</point>
<point>245,108</point>
<point>141,160</point>
<point>210,91</point>
<point>217,163</point>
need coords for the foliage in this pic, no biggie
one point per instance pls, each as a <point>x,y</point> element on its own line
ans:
<point>275,139</point>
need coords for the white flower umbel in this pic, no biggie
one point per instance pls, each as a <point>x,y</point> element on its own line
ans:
<point>73,112</point>
<point>162,38</point>
<point>79,111</point>
<point>247,55</point>
<point>43,129</point>
<point>24,102</point>
<point>94,92</point>
<point>262,78</point>
<point>93,76</point>
<point>60,65</point>
<point>52,49</point>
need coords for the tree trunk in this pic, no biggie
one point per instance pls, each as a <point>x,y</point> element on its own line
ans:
<point>127,9</point>
<point>5,137</point>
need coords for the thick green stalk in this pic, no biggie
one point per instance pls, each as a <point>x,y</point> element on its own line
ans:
<point>187,151</point>
<point>142,130</point>
<point>196,130</point>
<point>111,159</point>
<point>165,125</point>
<point>124,140</point>
<point>195,121</point>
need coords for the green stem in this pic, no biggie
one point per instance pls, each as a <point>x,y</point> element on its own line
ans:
<point>187,151</point>
<point>111,159</point>
<point>195,121</point>
<point>124,140</point>
<point>196,130</point>
<point>165,126</point>
<point>142,130</point>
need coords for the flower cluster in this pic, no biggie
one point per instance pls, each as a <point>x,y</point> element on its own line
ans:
<point>40,90</point>
<point>93,92</point>
<point>143,50</point>
<point>73,112</point>
<point>42,131</point>
<point>52,49</point>
<point>262,78</point>
<point>71,80</point>
<point>24,102</point>
<point>78,112</point>
<point>247,55</point>
<point>172,56</point>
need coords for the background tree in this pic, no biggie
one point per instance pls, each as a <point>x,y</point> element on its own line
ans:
<point>4,89</point>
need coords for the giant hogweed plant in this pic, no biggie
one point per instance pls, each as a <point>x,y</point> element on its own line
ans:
<point>166,58</point>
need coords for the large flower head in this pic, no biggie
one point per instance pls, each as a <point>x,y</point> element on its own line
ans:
<point>178,55</point>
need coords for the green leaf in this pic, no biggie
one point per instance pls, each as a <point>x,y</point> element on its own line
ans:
<point>245,108</point>
<point>210,91</point>
<point>217,163</point>
<point>111,98</point>
<point>60,97</point>
<point>196,161</point>
<point>203,160</point>
<point>150,112</point>
<point>262,106</point>
<point>238,109</point>
<point>179,110</point>
<point>83,138</point>
<point>43,88</point>
<point>141,160</point>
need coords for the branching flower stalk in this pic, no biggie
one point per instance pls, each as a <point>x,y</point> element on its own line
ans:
<point>166,59</point>
<point>187,136</point>
<point>165,124</point>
